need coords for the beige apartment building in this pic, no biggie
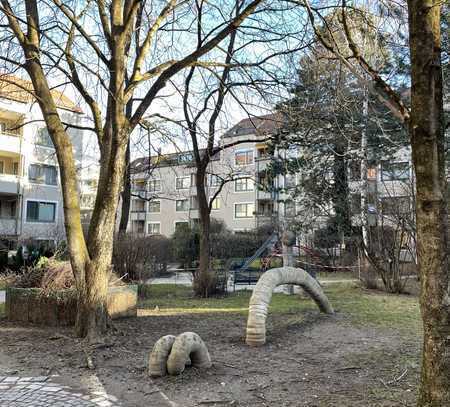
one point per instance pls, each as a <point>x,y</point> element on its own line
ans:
<point>247,200</point>
<point>167,184</point>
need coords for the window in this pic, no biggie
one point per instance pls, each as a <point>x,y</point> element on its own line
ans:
<point>394,171</point>
<point>7,209</point>
<point>154,206</point>
<point>214,180</point>
<point>194,202</point>
<point>215,204</point>
<point>397,205</point>
<point>181,225</point>
<point>182,205</point>
<point>244,210</point>
<point>139,185</point>
<point>243,185</point>
<point>138,226</point>
<point>243,157</point>
<point>41,211</point>
<point>372,173</point>
<point>42,174</point>
<point>15,168</point>
<point>154,228</point>
<point>154,185</point>
<point>2,167</point>
<point>43,138</point>
<point>183,182</point>
<point>137,205</point>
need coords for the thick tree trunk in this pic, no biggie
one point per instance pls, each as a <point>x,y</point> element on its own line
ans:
<point>126,194</point>
<point>92,315</point>
<point>204,280</point>
<point>427,141</point>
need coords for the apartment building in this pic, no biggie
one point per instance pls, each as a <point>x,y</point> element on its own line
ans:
<point>30,194</point>
<point>164,192</point>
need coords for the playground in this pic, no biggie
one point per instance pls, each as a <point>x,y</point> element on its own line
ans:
<point>367,353</point>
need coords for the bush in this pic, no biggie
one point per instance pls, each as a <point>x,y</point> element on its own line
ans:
<point>137,258</point>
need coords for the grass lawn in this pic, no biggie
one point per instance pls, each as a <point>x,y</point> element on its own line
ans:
<point>361,306</point>
<point>2,310</point>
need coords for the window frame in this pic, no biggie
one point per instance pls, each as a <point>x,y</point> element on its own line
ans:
<point>243,203</point>
<point>135,199</point>
<point>41,201</point>
<point>156,201</point>
<point>246,151</point>
<point>38,138</point>
<point>152,181</point>
<point>182,210</point>
<point>246,183</point>
<point>188,177</point>
<point>216,199</point>
<point>43,166</point>
<point>391,178</point>
<point>153,233</point>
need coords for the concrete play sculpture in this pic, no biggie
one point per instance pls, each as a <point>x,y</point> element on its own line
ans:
<point>157,363</point>
<point>188,345</point>
<point>262,294</point>
<point>172,354</point>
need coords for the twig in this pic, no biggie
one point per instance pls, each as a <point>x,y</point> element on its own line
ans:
<point>398,378</point>
<point>348,368</point>
<point>216,401</point>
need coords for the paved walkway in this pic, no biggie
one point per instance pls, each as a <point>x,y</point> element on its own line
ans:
<point>44,391</point>
<point>2,296</point>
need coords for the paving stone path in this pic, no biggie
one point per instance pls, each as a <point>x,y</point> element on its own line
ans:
<point>43,391</point>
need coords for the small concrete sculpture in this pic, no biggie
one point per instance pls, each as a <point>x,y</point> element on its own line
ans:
<point>172,354</point>
<point>188,345</point>
<point>262,294</point>
<point>157,362</point>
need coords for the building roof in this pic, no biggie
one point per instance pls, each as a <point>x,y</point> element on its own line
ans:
<point>260,125</point>
<point>21,90</point>
<point>186,158</point>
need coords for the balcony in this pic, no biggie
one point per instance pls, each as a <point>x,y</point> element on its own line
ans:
<point>9,143</point>
<point>137,215</point>
<point>9,184</point>
<point>8,227</point>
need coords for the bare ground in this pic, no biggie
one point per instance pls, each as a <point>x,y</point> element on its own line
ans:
<point>315,360</point>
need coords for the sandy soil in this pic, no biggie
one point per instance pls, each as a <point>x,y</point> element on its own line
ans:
<point>314,360</point>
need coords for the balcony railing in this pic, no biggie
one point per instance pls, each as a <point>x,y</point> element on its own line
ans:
<point>10,143</point>
<point>9,183</point>
<point>8,226</point>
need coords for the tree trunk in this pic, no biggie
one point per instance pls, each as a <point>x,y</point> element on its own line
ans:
<point>126,194</point>
<point>92,314</point>
<point>427,141</point>
<point>204,281</point>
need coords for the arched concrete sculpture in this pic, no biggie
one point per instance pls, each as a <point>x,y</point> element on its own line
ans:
<point>262,294</point>
<point>157,362</point>
<point>188,345</point>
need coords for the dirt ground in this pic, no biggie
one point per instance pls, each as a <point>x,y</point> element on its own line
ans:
<point>314,360</point>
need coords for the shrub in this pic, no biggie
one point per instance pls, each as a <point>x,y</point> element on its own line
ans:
<point>138,258</point>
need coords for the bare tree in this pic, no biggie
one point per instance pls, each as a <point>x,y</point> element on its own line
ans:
<point>90,43</point>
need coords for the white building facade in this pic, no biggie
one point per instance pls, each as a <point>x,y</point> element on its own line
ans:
<point>31,204</point>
